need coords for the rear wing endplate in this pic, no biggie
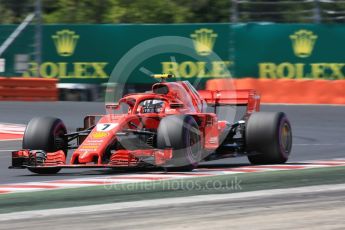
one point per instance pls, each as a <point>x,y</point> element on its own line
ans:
<point>242,97</point>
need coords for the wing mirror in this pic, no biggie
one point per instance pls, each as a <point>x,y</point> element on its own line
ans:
<point>176,105</point>
<point>112,106</point>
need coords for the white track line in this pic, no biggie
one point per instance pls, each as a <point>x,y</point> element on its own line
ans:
<point>86,182</point>
<point>319,144</point>
<point>17,139</point>
<point>12,128</point>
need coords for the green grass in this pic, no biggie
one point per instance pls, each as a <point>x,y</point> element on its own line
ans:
<point>172,188</point>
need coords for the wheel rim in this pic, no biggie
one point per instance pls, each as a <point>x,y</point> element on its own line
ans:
<point>285,138</point>
<point>193,149</point>
<point>60,139</point>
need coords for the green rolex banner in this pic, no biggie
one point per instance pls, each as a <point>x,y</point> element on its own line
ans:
<point>290,51</point>
<point>89,53</point>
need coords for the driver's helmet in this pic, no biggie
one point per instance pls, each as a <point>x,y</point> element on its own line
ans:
<point>151,106</point>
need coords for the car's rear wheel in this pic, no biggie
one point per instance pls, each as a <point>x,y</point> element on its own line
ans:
<point>182,134</point>
<point>268,137</point>
<point>47,134</point>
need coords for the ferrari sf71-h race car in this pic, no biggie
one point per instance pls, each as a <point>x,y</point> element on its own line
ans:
<point>174,126</point>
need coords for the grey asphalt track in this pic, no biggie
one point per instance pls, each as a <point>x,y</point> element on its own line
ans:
<point>308,209</point>
<point>318,133</point>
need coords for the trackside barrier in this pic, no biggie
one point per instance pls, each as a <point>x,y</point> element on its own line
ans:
<point>28,89</point>
<point>288,90</point>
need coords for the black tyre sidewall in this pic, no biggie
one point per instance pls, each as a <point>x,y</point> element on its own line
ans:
<point>263,136</point>
<point>45,170</point>
<point>40,134</point>
<point>174,131</point>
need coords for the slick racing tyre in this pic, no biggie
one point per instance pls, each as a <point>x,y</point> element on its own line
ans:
<point>47,134</point>
<point>268,138</point>
<point>182,134</point>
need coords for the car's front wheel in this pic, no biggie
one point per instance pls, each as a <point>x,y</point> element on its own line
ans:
<point>47,134</point>
<point>182,134</point>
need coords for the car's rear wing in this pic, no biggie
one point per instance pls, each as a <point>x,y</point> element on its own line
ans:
<point>242,97</point>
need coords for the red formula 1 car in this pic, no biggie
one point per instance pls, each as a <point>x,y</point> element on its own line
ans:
<point>173,126</point>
